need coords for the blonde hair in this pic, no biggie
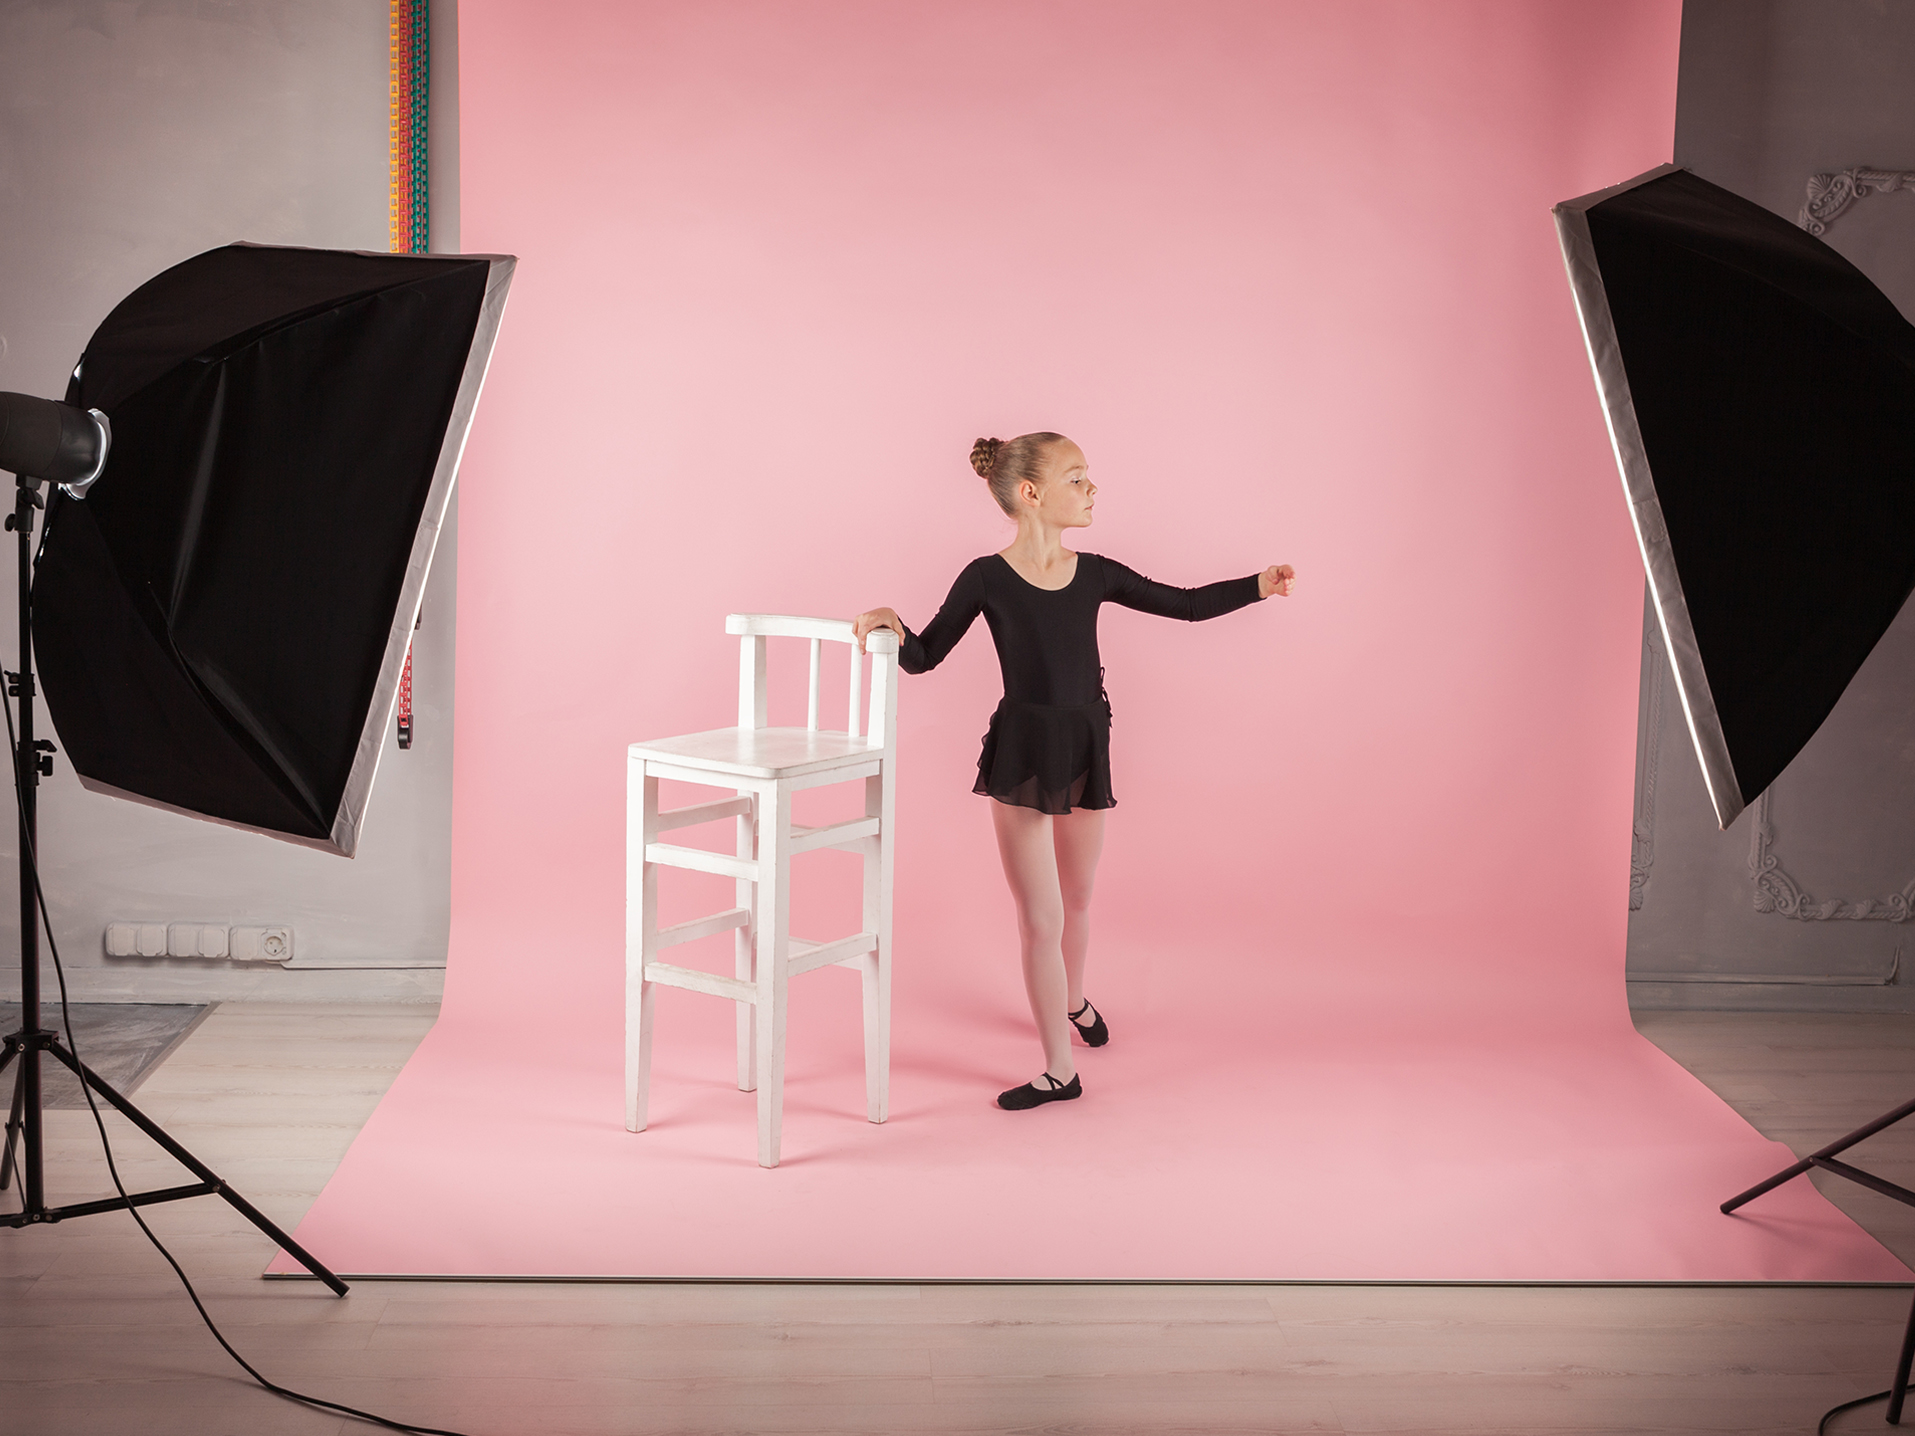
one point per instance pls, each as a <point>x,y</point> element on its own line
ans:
<point>1006,463</point>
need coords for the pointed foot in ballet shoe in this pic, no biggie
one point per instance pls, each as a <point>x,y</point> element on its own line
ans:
<point>1094,1033</point>
<point>1031,1094</point>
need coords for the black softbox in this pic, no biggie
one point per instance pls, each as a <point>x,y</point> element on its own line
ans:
<point>222,621</point>
<point>1760,391</point>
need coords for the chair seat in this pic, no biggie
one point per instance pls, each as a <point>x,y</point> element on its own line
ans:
<point>760,752</point>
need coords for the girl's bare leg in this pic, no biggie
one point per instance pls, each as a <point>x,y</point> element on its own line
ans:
<point>1078,839</point>
<point>1026,845</point>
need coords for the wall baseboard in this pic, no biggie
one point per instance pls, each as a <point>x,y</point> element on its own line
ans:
<point>1766,997</point>
<point>425,985</point>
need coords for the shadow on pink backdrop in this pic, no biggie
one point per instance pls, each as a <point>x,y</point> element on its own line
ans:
<point>1287,273</point>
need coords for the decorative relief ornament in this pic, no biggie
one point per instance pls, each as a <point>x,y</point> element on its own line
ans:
<point>1776,892</point>
<point>1831,194</point>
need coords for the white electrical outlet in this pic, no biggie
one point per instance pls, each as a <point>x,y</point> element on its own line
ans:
<point>199,940</point>
<point>260,944</point>
<point>196,939</point>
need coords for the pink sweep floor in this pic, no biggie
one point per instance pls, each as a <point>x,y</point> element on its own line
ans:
<point>1385,1126</point>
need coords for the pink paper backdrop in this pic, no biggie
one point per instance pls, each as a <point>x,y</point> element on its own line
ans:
<point>1286,271</point>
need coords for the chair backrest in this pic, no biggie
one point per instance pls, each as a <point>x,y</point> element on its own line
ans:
<point>882,646</point>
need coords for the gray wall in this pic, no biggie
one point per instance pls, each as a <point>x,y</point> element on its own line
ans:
<point>1811,891</point>
<point>130,138</point>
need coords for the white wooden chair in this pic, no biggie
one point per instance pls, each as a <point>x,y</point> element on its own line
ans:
<point>763,767</point>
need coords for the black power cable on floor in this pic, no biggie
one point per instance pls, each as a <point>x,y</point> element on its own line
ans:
<point>106,1146</point>
<point>1822,1426</point>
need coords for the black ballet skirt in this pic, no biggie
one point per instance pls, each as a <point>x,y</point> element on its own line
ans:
<point>1048,756</point>
<point>1048,746</point>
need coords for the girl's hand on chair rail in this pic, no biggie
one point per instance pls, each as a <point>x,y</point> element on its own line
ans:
<point>1279,579</point>
<point>877,618</point>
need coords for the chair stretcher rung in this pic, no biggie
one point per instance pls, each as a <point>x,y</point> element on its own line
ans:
<point>702,813</point>
<point>701,927</point>
<point>836,835</point>
<point>724,864</point>
<point>808,956</point>
<point>693,980</point>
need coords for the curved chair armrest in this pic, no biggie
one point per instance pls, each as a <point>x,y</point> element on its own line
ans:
<point>831,630</point>
<point>786,625</point>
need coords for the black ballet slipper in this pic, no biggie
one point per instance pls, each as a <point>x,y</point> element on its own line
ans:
<point>1018,1099</point>
<point>1096,1034</point>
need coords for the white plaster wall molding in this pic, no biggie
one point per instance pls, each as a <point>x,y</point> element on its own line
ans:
<point>1779,979</point>
<point>1778,893</point>
<point>1642,849</point>
<point>1831,194</point>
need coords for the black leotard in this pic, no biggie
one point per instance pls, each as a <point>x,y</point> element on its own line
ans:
<point>1049,744</point>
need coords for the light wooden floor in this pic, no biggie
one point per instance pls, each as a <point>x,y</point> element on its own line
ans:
<point>98,1339</point>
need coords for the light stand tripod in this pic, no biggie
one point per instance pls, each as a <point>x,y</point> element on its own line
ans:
<point>31,763</point>
<point>1825,1159</point>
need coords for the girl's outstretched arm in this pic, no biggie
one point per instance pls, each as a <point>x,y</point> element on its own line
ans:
<point>1131,589</point>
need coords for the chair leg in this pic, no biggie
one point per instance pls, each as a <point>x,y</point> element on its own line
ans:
<point>742,965</point>
<point>877,1033</point>
<point>877,963</point>
<point>772,924</point>
<point>771,1072</point>
<point>746,1020</point>
<point>641,927</point>
<point>638,1079</point>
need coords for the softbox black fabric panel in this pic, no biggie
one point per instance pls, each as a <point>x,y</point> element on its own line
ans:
<point>222,621</point>
<point>1759,391</point>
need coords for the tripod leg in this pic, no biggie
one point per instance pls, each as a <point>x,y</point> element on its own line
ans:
<point>198,1168</point>
<point>14,1122</point>
<point>1899,1392</point>
<point>1887,1119</point>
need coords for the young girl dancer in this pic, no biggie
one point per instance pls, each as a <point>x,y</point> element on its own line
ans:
<point>1046,757</point>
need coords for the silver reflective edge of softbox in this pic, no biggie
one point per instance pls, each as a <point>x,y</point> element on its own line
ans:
<point>1645,510</point>
<point>93,785</point>
<point>350,822</point>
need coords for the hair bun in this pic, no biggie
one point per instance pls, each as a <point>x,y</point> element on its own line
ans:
<point>984,456</point>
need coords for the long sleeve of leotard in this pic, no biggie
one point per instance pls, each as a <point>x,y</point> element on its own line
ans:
<point>1130,588</point>
<point>921,652</point>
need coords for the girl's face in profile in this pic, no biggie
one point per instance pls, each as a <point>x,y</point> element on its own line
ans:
<point>1068,495</point>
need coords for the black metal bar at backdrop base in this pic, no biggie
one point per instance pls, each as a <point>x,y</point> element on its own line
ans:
<point>32,761</point>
